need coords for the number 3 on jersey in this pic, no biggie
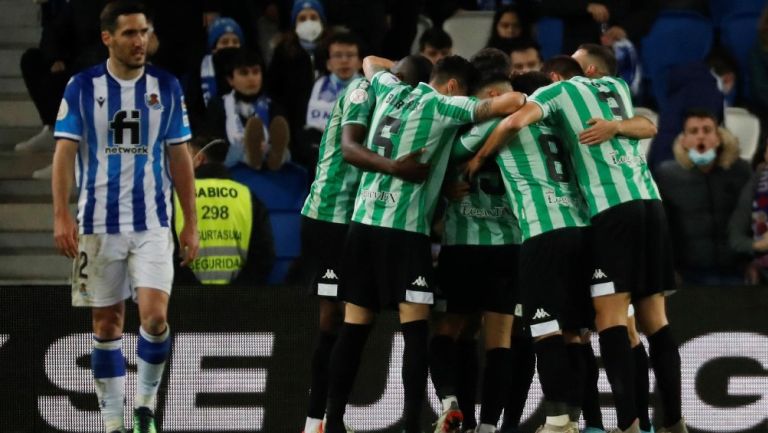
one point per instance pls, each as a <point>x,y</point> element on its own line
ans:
<point>388,127</point>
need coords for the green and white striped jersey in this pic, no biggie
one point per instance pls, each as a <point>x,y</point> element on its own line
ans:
<point>538,176</point>
<point>612,172</point>
<point>406,120</point>
<point>332,194</point>
<point>483,217</point>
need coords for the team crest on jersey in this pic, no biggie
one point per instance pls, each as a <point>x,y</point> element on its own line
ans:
<point>153,101</point>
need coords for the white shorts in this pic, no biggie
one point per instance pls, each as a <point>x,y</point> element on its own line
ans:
<point>110,267</point>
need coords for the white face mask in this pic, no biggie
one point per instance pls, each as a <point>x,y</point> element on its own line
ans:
<point>309,30</point>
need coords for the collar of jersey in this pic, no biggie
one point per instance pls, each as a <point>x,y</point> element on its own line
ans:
<point>120,80</point>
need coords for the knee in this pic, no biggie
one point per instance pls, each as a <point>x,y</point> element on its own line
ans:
<point>154,323</point>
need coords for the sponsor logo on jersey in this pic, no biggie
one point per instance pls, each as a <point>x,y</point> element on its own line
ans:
<point>540,314</point>
<point>599,274</point>
<point>389,198</point>
<point>420,282</point>
<point>479,212</point>
<point>628,160</point>
<point>330,275</point>
<point>100,100</point>
<point>553,199</point>
<point>153,101</point>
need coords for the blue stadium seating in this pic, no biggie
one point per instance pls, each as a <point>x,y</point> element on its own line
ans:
<point>721,9</point>
<point>283,193</point>
<point>738,33</point>
<point>284,189</point>
<point>549,33</point>
<point>676,37</point>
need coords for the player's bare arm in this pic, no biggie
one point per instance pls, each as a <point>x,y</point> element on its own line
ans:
<point>64,225</point>
<point>501,105</point>
<point>601,130</point>
<point>507,128</point>
<point>407,167</point>
<point>180,164</point>
<point>373,64</point>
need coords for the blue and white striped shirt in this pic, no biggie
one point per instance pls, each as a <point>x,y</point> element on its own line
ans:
<point>122,128</point>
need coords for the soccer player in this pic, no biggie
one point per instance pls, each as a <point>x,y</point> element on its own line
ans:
<point>124,122</point>
<point>328,209</point>
<point>480,233</point>
<point>387,260</point>
<point>630,243</point>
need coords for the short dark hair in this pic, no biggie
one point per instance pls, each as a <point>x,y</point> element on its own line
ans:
<point>524,44</point>
<point>721,60</point>
<point>701,113</point>
<point>529,82</point>
<point>413,69</point>
<point>565,66</point>
<point>493,66</point>
<point>242,58</point>
<point>455,67</point>
<point>436,37</point>
<point>113,10</point>
<point>216,152</point>
<point>344,38</point>
<point>603,55</point>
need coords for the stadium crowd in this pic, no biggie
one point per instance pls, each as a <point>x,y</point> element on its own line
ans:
<point>280,96</point>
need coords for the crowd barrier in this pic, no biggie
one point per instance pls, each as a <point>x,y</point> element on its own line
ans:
<point>240,362</point>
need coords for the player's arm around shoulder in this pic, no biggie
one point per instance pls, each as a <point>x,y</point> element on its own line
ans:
<point>373,65</point>
<point>180,165</point>
<point>601,130</point>
<point>64,225</point>
<point>506,129</point>
<point>501,105</point>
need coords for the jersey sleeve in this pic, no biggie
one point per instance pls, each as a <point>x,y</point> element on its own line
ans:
<point>359,103</point>
<point>178,127</point>
<point>457,110</point>
<point>548,98</point>
<point>470,142</point>
<point>69,123</point>
<point>383,82</point>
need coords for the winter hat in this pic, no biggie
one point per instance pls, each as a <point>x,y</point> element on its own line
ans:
<point>300,5</point>
<point>221,26</point>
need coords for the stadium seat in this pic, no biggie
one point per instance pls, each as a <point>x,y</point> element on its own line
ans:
<point>676,37</point>
<point>722,9</point>
<point>286,229</point>
<point>549,34</point>
<point>469,30</point>
<point>284,189</point>
<point>738,33</point>
<point>645,144</point>
<point>746,127</point>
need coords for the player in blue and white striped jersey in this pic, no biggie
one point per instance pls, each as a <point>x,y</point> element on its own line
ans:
<point>119,128</point>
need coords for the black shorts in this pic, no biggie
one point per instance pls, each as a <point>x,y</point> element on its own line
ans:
<point>383,267</point>
<point>474,278</point>
<point>322,246</point>
<point>554,281</point>
<point>632,251</point>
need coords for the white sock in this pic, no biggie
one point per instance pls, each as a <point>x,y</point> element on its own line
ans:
<point>486,428</point>
<point>312,425</point>
<point>558,421</point>
<point>149,371</point>
<point>448,400</point>
<point>110,390</point>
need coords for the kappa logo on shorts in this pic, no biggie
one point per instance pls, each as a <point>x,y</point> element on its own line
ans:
<point>540,314</point>
<point>599,274</point>
<point>420,282</point>
<point>330,275</point>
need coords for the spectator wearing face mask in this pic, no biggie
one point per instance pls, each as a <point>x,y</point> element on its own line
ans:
<point>700,189</point>
<point>292,73</point>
